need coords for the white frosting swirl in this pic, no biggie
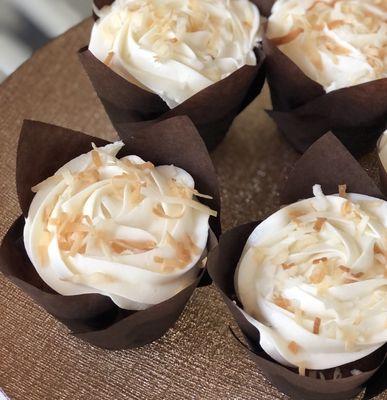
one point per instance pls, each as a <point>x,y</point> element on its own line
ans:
<point>312,280</point>
<point>176,48</point>
<point>118,227</point>
<point>337,43</point>
<point>383,150</point>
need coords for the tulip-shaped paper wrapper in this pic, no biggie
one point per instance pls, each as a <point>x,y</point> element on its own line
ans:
<point>212,110</point>
<point>44,148</point>
<point>327,163</point>
<point>303,111</point>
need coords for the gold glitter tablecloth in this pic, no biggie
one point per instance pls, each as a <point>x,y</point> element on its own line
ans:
<point>198,358</point>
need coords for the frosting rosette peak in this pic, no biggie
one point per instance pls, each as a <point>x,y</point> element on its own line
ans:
<point>176,48</point>
<point>120,227</point>
<point>312,280</point>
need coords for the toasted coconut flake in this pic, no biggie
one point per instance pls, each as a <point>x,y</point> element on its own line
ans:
<point>301,369</point>
<point>77,244</point>
<point>180,190</point>
<point>159,211</point>
<point>145,165</point>
<point>320,260</point>
<point>378,250</point>
<point>282,302</point>
<point>293,214</point>
<point>350,280</point>
<point>44,241</point>
<point>121,245</point>
<point>343,191</point>
<point>319,224</point>
<point>119,180</point>
<point>135,195</point>
<point>344,268</point>
<point>182,253</point>
<point>316,325</point>
<point>96,158</point>
<point>171,264</point>
<point>59,221</point>
<point>336,23</point>
<point>346,208</point>
<point>179,200</point>
<point>89,176</point>
<point>87,219</point>
<point>198,194</point>
<point>76,227</point>
<point>294,347</point>
<point>337,49</point>
<point>204,262</point>
<point>321,375</point>
<point>105,211</point>
<point>64,245</point>
<point>107,61</point>
<point>289,37</point>
<point>286,266</point>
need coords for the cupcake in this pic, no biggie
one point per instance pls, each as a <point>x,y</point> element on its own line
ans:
<point>117,233</point>
<point>152,60</point>
<point>307,286</point>
<point>302,271</point>
<point>335,51</point>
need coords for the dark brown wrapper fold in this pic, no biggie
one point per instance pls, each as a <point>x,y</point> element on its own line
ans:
<point>264,6</point>
<point>44,148</point>
<point>329,164</point>
<point>303,111</point>
<point>323,164</point>
<point>212,110</point>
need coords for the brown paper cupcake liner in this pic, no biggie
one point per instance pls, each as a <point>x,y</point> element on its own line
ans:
<point>327,163</point>
<point>304,112</point>
<point>42,150</point>
<point>212,110</point>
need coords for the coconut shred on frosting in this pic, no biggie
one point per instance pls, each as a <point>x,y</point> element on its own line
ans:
<point>383,150</point>
<point>176,48</point>
<point>313,280</point>
<point>118,227</point>
<point>337,43</point>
